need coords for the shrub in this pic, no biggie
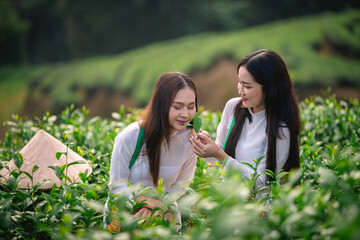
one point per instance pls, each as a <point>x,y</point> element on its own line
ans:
<point>319,200</point>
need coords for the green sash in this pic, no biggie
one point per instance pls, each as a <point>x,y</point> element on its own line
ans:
<point>139,144</point>
<point>231,126</point>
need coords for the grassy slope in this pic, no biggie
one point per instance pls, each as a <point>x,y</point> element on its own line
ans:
<point>13,89</point>
<point>135,72</point>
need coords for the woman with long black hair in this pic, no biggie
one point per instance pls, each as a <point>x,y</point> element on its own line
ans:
<point>263,122</point>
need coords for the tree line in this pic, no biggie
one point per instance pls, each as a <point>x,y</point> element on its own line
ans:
<point>41,31</point>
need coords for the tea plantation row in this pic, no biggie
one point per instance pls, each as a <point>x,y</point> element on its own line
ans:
<point>318,201</point>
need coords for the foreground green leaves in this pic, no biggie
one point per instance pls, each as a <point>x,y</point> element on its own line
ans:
<point>196,122</point>
<point>320,200</point>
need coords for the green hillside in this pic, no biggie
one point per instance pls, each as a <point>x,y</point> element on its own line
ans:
<point>321,50</point>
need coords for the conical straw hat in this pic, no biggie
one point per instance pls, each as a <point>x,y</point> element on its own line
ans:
<point>41,151</point>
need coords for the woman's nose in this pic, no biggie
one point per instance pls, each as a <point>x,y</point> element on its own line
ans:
<point>241,90</point>
<point>184,113</point>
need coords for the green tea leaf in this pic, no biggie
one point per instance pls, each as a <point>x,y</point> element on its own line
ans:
<point>139,205</point>
<point>196,115</point>
<point>27,174</point>
<point>63,167</point>
<point>83,176</point>
<point>57,171</point>
<point>18,160</point>
<point>66,136</point>
<point>155,209</point>
<point>12,182</point>
<point>67,178</point>
<point>58,155</point>
<point>77,162</point>
<point>35,168</point>
<point>5,217</point>
<point>39,184</point>
<point>248,164</point>
<point>197,124</point>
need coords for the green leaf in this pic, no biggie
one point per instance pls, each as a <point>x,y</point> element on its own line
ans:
<point>197,124</point>
<point>139,205</point>
<point>27,174</point>
<point>156,209</point>
<point>63,167</point>
<point>39,184</point>
<point>258,161</point>
<point>66,136</point>
<point>160,182</point>
<point>196,115</point>
<point>170,211</point>
<point>142,191</point>
<point>15,173</point>
<point>18,160</point>
<point>57,171</point>
<point>67,178</point>
<point>58,155</point>
<point>282,174</point>
<point>77,162</point>
<point>12,182</point>
<point>83,176</point>
<point>35,168</point>
<point>5,217</point>
<point>159,188</point>
<point>251,166</point>
<point>270,173</point>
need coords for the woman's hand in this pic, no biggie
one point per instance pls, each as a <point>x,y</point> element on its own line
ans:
<point>204,147</point>
<point>144,212</point>
<point>200,132</point>
<point>151,202</point>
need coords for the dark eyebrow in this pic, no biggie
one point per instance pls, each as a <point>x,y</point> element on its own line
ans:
<point>243,81</point>
<point>183,103</point>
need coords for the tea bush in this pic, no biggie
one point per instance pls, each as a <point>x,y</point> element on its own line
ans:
<point>320,200</point>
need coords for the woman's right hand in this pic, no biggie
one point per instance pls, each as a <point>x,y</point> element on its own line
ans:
<point>204,147</point>
<point>199,133</point>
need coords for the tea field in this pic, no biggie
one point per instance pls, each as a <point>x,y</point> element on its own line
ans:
<point>319,50</point>
<point>320,200</point>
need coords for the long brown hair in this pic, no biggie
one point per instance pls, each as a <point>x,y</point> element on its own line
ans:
<point>156,122</point>
<point>269,70</point>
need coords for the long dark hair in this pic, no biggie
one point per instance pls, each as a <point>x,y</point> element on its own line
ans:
<point>269,70</point>
<point>156,122</point>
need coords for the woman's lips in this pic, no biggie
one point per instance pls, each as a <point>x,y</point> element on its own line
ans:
<point>182,122</point>
<point>244,99</point>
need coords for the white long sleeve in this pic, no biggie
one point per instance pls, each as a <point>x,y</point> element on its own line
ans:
<point>253,142</point>
<point>177,163</point>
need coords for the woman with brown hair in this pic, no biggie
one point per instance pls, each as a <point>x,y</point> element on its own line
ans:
<point>166,152</point>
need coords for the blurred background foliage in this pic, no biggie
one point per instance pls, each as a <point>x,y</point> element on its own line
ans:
<point>101,54</point>
<point>42,31</point>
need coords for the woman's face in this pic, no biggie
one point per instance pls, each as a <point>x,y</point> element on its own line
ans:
<point>250,91</point>
<point>182,109</point>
